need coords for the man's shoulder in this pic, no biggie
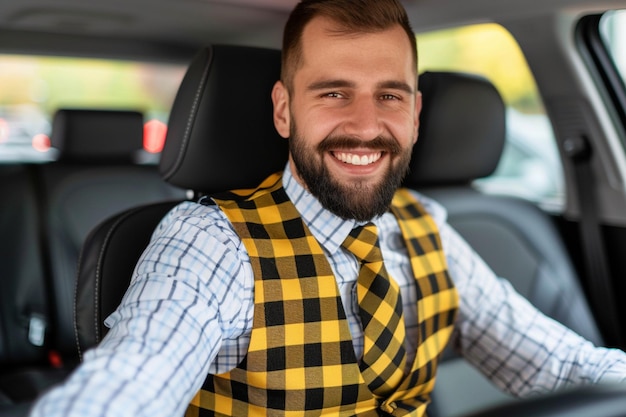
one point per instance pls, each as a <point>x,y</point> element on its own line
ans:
<point>202,214</point>
<point>202,209</point>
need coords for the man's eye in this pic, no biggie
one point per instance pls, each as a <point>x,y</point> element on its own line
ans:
<point>332,95</point>
<point>389,97</point>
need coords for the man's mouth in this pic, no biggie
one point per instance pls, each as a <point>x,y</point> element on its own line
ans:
<point>354,159</point>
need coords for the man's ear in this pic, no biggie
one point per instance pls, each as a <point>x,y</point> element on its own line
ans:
<point>282,118</point>
<point>418,110</point>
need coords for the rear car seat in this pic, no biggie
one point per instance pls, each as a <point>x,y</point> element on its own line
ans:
<point>48,211</point>
<point>24,309</point>
<point>461,138</point>
<point>95,175</point>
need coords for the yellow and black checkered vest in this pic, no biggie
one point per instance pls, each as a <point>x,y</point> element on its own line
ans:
<point>301,360</point>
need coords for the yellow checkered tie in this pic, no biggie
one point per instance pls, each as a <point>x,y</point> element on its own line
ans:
<point>380,310</point>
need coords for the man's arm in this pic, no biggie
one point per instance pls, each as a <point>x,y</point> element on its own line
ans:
<point>185,298</point>
<point>506,338</point>
<point>515,345</point>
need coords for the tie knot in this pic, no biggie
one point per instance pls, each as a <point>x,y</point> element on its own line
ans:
<point>363,243</point>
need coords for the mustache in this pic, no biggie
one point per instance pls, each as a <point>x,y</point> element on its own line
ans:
<point>384,143</point>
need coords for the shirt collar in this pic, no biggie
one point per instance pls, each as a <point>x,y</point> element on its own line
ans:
<point>329,229</point>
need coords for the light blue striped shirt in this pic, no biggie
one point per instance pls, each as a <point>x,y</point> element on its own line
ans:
<point>188,312</point>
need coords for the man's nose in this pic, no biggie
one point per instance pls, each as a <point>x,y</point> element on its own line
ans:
<point>363,119</point>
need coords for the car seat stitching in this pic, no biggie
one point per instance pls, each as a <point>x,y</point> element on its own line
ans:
<point>98,274</point>
<point>192,116</point>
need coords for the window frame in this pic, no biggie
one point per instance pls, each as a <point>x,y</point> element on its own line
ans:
<point>601,66</point>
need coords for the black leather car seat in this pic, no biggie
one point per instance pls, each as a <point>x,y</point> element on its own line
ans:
<point>462,135</point>
<point>220,136</point>
<point>214,145</point>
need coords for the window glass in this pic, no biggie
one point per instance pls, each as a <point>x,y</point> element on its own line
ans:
<point>530,166</point>
<point>613,31</point>
<point>34,87</point>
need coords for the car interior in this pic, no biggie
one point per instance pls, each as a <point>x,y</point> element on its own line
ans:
<point>74,227</point>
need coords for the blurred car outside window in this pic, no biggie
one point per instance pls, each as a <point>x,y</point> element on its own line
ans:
<point>34,87</point>
<point>530,166</point>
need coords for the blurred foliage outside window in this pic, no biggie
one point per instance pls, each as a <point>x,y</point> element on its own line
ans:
<point>530,166</point>
<point>34,87</point>
<point>486,49</point>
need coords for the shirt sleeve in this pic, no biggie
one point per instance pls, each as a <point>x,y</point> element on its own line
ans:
<point>512,343</point>
<point>186,296</point>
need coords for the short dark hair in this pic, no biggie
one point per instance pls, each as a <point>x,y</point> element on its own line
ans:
<point>351,16</point>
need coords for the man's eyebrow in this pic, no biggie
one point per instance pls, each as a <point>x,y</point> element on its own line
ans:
<point>339,83</point>
<point>397,85</point>
<point>328,84</point>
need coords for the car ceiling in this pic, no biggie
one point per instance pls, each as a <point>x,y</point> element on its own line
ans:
<point>176,27</point>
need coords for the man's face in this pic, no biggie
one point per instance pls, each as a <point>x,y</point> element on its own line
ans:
<point>352,117</point>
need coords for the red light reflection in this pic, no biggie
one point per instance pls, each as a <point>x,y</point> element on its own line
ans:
<point>4,130</point>
<point>154,132</point>
<point>41,142</point>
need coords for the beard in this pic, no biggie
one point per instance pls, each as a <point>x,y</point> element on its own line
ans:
<point>359,200</point>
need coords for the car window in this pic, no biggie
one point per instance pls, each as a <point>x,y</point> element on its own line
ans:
<point>34,87</point>
<point>613,31</point>
<point>530,166</point>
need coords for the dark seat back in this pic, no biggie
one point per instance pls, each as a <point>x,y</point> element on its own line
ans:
<point>23,299</point>
<point>25,369</point>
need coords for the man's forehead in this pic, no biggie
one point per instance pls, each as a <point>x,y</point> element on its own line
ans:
<point>326,44</point>
<point>324,26</point>
<point>325,32</point>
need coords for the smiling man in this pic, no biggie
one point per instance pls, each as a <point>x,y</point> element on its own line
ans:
<point>351,110</point>
<point>328,290</point>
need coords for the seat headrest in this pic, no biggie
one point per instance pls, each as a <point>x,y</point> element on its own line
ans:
<point>221,134</point>
<point>221,131</point>
<point>102,136</point>
<point>462,130</point>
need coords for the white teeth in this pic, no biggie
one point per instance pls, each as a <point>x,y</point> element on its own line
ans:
<point>353,159</point>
